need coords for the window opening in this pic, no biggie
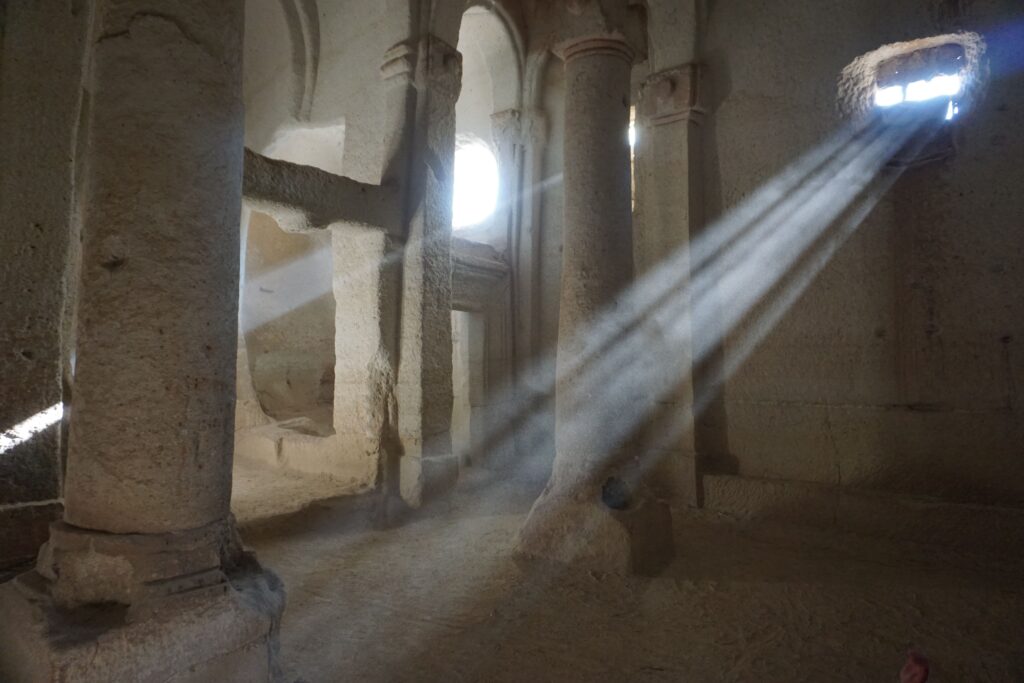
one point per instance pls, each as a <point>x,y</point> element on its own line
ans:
<point>924,75</point>
<point>631,136</point>
<point>936,76</point>
<point>475,197</point>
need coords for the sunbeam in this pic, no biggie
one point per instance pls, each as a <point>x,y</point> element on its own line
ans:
<point>758,259</point>
<point>511,340</point>
<point>739,277</point>
<point>25,430</point>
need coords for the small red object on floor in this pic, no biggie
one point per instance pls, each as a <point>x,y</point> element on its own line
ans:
<point>915,670</point>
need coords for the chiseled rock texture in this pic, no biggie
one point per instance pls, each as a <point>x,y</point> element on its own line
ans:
<point>38,125</point>
<point>226,632</point>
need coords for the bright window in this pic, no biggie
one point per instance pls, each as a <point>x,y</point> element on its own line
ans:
<point>943,85</point>
<point>631,136</point>
<point>476,184</point>
<point>931,74</point>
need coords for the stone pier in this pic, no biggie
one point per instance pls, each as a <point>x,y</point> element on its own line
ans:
<point>422,79</point>
<point>596,510</point>
<point>670,209</point>
<point>145,578</point>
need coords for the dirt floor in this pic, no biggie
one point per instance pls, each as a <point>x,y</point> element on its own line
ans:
<point>260,491</point>
<point>439,599</point>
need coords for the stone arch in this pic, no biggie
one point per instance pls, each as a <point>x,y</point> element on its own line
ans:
<point>488,113</point>
<point>447,16</point>
<point>489,106</point>
<point>286,370</point>
<point>282,58</point>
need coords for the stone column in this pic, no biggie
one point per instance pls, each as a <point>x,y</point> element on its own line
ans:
<point>597,246</point>
<point>502,396</point>
<point>423,79</point>
<point>669,209</point>
<point>506,133</point>
<point>147,539</point>
<point>533,134</point>
<point>594,510</point>
<point>533,366</point>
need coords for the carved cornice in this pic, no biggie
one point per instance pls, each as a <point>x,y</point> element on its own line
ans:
<point>672,95</point>
<point>588,46</point>
<point>400,60</point>
<point>534,126</point>
<point>507,127</point>
<point>575,27</point>
<point>426,62</point>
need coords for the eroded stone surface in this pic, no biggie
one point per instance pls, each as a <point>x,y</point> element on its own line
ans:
<point>38,127</point>
<point>883,401</point>
<point>133,583</point>
<point>223,632</point>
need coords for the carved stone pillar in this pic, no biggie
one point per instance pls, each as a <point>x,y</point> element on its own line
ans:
<point>597,252</point>
<point>526,256</point>
<point>506,131</point>
<point>669,208</point>
<point>596,510</point>
<point>533,363</point>
<point>147,540</point>
<point>502,390</point>
<point>423,83</point>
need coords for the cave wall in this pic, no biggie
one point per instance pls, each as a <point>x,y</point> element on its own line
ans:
<point>897,369</point>
<point>41,52</point>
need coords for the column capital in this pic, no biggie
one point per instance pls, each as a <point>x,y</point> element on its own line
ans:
<point>579,27</point>
<point>675,94</point>
<point>422,80</point>
<point>426,61</point>
<point>507,127</point>
<point>534,125</point>
<point>612,45</point>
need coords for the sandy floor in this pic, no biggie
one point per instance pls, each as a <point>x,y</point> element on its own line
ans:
<point>438,599</point>
<point>260,491</point>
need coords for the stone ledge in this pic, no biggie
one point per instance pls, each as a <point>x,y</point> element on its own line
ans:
<point>882,515</point>
<point>85,566</point>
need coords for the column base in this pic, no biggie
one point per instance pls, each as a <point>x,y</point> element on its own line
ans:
<point>422,479</point>
<point>225,632</point>
<point>587,533</point>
